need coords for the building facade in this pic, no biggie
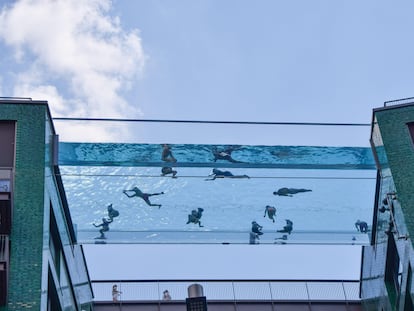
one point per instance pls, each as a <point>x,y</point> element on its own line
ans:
<point>41,265</point>
<point>387,275</point>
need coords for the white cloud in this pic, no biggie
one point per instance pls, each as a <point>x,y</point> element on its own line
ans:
<point>74,54</point>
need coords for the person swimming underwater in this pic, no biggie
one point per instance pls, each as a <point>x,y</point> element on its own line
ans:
<point>256,228</point>
<point>216,173</point>
<point>271,212</point>
<point>288,192</point>
<point>288,227</point>
<point>195,216</point>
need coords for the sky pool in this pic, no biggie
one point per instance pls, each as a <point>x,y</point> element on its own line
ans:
<point>341,180</point>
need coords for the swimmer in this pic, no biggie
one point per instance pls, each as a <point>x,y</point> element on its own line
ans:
<point>288,192</point>
<point>105,227</point>
<point>167,155</point>
<point>271,212</point>
<point>361,226</point>
<point>168,170</point>
<point>216,173</point>
<point>112,213</point>
<point>288,227</point>
<point>256,228</point>
<point>142,195</point>
<point>224,154</point>
<point>195,216</point>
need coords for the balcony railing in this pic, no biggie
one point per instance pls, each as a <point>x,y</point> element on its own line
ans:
<point>151,291</point>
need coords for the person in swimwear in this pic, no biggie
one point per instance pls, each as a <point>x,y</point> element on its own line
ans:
<point>216,173</point>
<point>224,154</point>
<point>195,216</point>
<point>361,226</point>
<point>167,155</point>
<point>142,195</point>
<point>288,227</point>
<point>271,212</point>
<point>168,170</point>
<point>112,213</point>
<point>105,227</point>
<point>256,228</point>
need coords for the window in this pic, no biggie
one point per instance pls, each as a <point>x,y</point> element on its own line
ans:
<point>7,141</point>
<point>393,272</point>
<point>55,244</point>
<point>52,295</point>
<point>410,126</point>
<point>408,303</point>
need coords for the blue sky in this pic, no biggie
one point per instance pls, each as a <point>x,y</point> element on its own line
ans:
<point>278,61</point>
<point>267,60</point>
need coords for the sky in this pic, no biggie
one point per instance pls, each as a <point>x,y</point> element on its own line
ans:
<point>268,61</point>
<point>260,61</point>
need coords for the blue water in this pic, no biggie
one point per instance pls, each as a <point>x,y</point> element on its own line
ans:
<point>202,155</point>
<point>338,198</point>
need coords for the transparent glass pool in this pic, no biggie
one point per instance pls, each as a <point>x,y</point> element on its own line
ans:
<point>341,180</point>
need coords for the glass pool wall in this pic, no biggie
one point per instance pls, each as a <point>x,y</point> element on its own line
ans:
<point>341,180</point>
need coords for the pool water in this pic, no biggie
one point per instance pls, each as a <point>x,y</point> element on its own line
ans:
<point>341,180</point>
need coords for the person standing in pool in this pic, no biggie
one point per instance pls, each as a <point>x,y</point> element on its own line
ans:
<point>167,155</point>
<point>105,227</point>
<point>195,216</point>
<point>167,171</point>
<point>361,226</point>
<point>145,196</point>
<point>256,228</point>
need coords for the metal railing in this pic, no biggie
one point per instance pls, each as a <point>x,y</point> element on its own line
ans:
<point>231,290</point>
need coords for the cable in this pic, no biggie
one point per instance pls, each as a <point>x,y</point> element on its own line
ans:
<point>210,122</point>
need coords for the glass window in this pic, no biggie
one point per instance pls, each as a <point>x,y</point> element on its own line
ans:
<point>393,272</point>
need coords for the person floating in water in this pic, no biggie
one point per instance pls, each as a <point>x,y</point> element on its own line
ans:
<point>195,216</point>
<point>167,155</point>
<point>270,211</point>
<point>105,227</point>
<point>142,195</point>
<point>224,154</point>
<point>112,213</point>
<point>216,173</point>
<point>256,228</point>
<point>361,226</point>
<point>288,192</point>
<point>167,171</point>
<point>288,227</point>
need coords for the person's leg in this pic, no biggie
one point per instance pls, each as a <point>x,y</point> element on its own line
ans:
<point>145,198</point>
<point>157,193</point>
<point>128,195</point>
